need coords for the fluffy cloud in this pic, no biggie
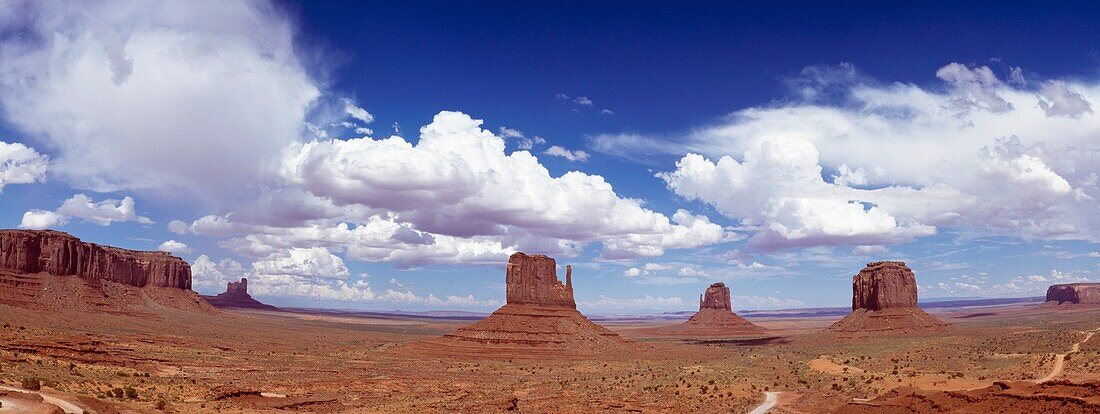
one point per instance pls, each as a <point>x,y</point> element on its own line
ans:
<point>1058,100</point>
<point>103,212</point>
<point>313,262</point>
<point>136,95</point>
<point>458,181</point>
<point>904,160</point>
<point>779,191</point>
<point>313,274</point>
<point>688,231</point>
<point>172,246</point>
<point>81,206</point>
<point>556,151</point>
<point>374,239</point>
<point>42,219</point>
<point>20,164</point>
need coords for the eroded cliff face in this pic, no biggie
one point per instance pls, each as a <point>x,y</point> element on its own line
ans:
<point>1082,293</point>
<point>58,253</point>
<point>883,285</point>
<point>717,296</point>
<point>533,280</point>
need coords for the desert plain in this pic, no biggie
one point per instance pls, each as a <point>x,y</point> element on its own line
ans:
<point>94,329</point>
<point>194,361</point>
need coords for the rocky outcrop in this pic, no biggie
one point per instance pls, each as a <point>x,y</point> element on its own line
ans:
<point>884,300</point>
<point>533,280</point>
<point>236,296</point>
<point>883,285</point>
<point>538,320</point>
<point>1001,397</point>
<point>717,296</point>
<point>60,254</point>
<point>715,318</point>
<point>1074,293</point>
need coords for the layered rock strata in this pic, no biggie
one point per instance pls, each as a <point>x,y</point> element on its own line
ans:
<point>60,254</point>
<point>52,270</point>
<point>884,300</point>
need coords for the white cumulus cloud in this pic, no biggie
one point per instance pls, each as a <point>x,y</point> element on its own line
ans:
<point>149,96</point>
<point>20,164</point>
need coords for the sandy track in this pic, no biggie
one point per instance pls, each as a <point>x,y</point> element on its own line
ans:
<point>1060,359</point>
<point>67,407</point>
<point>770,399</point>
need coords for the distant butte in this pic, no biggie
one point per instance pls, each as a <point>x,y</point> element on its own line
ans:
<point>1074,293</point>
<point>884,300</point>
<point>539,319</point>
<point>715,318</point>
<point>236,296</point>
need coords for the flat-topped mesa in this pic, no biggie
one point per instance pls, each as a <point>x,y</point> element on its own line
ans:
<point>58,253</point>
<point>533,280</point>
<point>717,296</point>
<point>883,285</point>
<point>1077,293</point>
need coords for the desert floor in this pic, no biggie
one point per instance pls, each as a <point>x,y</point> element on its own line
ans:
<point>239,361</point>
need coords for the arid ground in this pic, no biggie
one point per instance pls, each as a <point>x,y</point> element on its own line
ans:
<point>245,361</point>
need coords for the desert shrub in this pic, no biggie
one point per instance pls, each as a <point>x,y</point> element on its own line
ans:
<point>31,383</point>
<point>118,393</point>
<point>130,392</point>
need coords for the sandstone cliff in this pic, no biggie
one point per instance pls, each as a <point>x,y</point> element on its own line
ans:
<point>236,296</point>
<point>884,300</point>
<point>60,254</point>
<point>1075,293</point>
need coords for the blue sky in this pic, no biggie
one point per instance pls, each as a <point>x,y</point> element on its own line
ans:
<point>391,156</point>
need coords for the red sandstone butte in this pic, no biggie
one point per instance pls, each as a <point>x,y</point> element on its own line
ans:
<point>715,318</point>
<point>60,254</point>
<point>884,300</point>
<point>236,296</point>
<point>533,280</point>
<point>540,319</point>
<point>1074,293</point>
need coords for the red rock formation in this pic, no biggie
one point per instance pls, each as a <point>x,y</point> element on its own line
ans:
<point>540,319</point>
<point>883,285</point>
<point>715,318</point>
<point>533,280</point>
<point>58,253</point>
<point>717,296</point>
<point>236,296</point>
<point>1074,293</point>
<point>884,300</point>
